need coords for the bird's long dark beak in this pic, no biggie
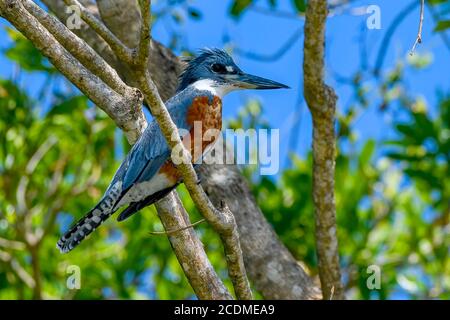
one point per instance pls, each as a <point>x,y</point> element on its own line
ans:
<point>248,81</point>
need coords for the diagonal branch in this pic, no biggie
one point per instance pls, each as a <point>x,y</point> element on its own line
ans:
<point>91,85</point>
<point>189,251</point>
<point>419,33</point>
<point>78,48</point>
<point>321,101</point>
<point>222,220</point>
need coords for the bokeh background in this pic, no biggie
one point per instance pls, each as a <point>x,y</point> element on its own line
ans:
<point>58,153</point>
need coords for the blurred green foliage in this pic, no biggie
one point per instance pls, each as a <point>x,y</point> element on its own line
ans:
<point>393,206</point>
<point>53,168</point>
<point>238,7</point>
<point>26,54</point>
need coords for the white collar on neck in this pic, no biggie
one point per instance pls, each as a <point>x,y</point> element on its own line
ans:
<point>213,87</point>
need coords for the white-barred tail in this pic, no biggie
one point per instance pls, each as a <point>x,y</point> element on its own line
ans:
<point>91,221</point>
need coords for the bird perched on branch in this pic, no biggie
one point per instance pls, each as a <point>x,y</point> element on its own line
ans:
<point>148,172</point>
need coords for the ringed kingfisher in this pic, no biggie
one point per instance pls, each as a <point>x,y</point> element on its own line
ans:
<point>148,173</point>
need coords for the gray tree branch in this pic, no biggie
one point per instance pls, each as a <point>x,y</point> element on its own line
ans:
<point>321,101</point>
<point>78,48</point>
<point>189,251</point>
<point>127,105</point>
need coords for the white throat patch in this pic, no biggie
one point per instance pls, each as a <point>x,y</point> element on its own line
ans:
<point>213,86</point>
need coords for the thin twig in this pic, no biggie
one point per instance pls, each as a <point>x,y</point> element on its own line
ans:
<point>170,232</point>
<point>419,33</point>
<point>381,55</point>
<point>143,49</point>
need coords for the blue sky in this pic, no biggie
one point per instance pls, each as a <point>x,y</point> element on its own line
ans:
<point>264,34</point>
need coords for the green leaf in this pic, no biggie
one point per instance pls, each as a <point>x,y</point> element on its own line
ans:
<point>436,2</point>
<point>405,157</point>
<point>68,106</point>
<point>25,54</point>
<point>367,152</point>
<point>238,7</point>
<point>442,25</point>
<point>299,5</point>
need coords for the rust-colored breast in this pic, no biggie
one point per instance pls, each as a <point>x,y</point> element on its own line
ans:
<point>205,115</point>
<point>207,111</point>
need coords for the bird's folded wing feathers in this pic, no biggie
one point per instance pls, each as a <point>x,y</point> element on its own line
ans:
<point>151,150</point>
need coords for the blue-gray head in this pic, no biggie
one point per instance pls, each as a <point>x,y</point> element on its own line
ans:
<point>214,69</point>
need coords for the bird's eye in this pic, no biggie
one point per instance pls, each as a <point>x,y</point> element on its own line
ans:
<point>219,68</point>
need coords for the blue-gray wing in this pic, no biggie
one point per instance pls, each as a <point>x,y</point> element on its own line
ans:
<point>146,157</point>
<point>151,150</point>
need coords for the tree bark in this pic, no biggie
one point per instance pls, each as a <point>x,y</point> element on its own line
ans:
<point>189,251</point>
<point>272,268</point>
<point>321,101</point>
